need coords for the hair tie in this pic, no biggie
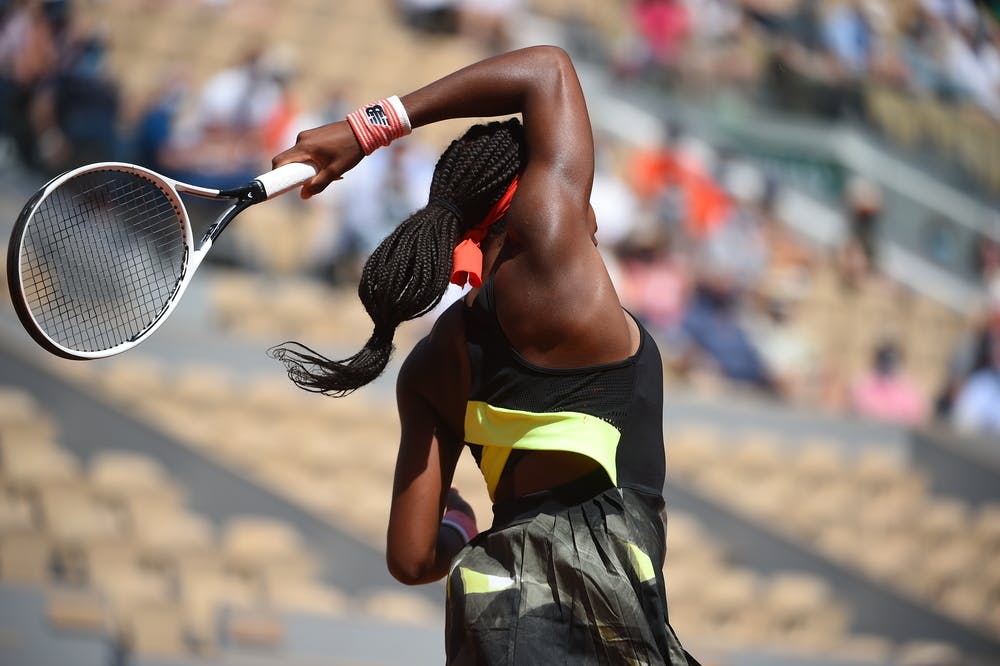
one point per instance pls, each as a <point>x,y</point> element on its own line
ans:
<point>383,334</point>
<point>449,206</point>
<point>467,258</point>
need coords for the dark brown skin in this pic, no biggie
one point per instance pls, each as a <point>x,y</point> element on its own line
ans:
<point>555,300</point>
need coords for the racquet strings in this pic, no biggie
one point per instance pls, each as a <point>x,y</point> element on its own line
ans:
<point>102,255</point>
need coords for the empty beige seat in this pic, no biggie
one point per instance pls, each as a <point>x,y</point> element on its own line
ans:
<point>120,471</point>
<point>968,600</point>
<point>142,512</point>
<point>399,606</point>
<point>949,564</point>
<point>840,542</point>
<point>759,454</point>
<point>130,588</point>
<point>15,404</point>
<point>22,421</point>
<point>77,610</point>
<point>942,519</point>
<point>891,558</point>
<point>252,543</point>
<point>928,653</point>
<point>203,386</point>
<point>817,462</point>
<point>768,501</point>
<point>306,596</point>
<point>894,512</point>
<point>991,617</point>
<point>987,527</point>
<point>728,593</point>
<point>254,628</point>
<point>133,379</point>
<point>792,594</point>
<point>173,535</point>
<point>203,593</point>
<point>16,513</point>
<point>25,557</point>
<point>34,466</point>
<point>273,394</point>
<point>879,470</point>
<point>690,449</point>
<point>100,560</point>
<point>156,630</point>
<point>866,648</point>
<point>71,514</point>
<point>135,486</point>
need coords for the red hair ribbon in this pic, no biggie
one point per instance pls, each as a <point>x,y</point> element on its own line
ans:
<point>467,264</point>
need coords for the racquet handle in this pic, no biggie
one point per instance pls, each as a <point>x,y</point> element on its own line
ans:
<point>285,178</point>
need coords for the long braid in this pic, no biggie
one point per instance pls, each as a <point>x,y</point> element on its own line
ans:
<point>407,274</point>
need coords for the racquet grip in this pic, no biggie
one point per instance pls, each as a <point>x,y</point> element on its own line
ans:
<point>285,178</point>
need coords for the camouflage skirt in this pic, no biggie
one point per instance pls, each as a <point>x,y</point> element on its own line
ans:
<point>564,577</point>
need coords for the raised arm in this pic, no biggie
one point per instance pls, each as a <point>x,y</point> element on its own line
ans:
<point>539,82</point>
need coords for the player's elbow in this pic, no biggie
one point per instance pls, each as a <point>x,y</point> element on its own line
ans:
<point>553,61</point>
<point>410,570</point>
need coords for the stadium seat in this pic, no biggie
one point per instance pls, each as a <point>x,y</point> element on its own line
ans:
<point>76,610</point>
<point>171,536</point>
<point>253,543</point>
<point>202,594</point>
<point>16,513</point>
<point>298,594</point>
<point>928,653</point>
<point>25,557</point>
<point>36,466</point>
<point>156,630</point>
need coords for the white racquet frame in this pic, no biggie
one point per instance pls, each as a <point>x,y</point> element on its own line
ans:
<point>264,187</point>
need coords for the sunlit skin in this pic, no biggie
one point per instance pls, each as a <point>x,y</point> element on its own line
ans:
<point>554,298</point>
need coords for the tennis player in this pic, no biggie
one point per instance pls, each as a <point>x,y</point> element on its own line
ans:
<point>555,389</point>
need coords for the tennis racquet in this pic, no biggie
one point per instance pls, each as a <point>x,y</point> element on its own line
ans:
<point>101,255</point>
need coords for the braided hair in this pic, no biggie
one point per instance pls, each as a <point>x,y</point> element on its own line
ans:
<point>407,274</point>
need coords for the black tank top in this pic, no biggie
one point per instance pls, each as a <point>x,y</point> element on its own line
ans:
<point>612,413</point>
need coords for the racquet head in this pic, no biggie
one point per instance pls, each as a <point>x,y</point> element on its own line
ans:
<point>96,259</point>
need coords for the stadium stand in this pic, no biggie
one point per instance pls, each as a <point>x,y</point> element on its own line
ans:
<point>183,505</point>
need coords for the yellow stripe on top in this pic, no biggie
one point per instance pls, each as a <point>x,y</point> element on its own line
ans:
<point>499,431</point>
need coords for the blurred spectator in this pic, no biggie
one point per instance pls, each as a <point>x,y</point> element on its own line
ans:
<point>653,284</point>
<point>60,106</point>
<point>970,355</point>
<point>956,13</point>
<point>923,46</point>
<point>661,29</point>
<point>156,123</point>
<point>786,350</point>
<point>712,327</point>
<point>429,16</point>
<point>222,144</point>
<point>489,23</point>
<point>738,245</point>
<point>28,57</point>
<point>674,181</point>
<point>972,62</point>
<point>858,257</point>
<point>615,205</point>
<point>791,260</point>
<point>849,36</point>
<point>84,104</point>
<point>885,393</point>
<point>977,405</point>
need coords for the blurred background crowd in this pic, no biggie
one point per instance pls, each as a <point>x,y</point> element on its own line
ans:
<point>798,197</point>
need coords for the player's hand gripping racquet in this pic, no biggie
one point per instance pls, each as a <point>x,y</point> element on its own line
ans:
<point>101,255</point>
